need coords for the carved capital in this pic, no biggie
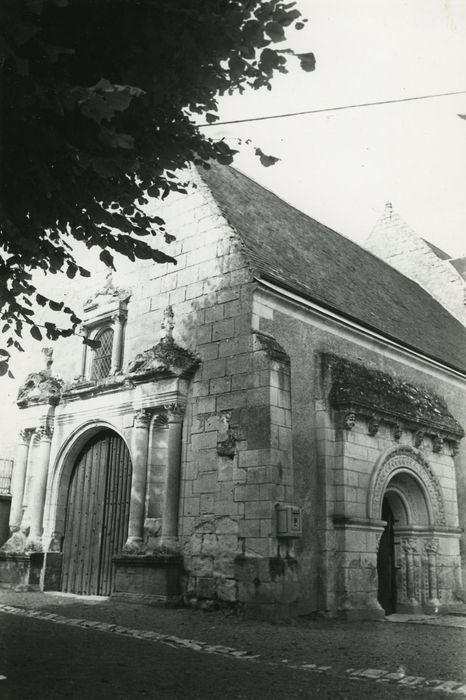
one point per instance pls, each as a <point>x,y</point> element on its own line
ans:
<point>431,546</point>
<point>119,316</point>
<point>141,418</point>
<point>409,545</point>
<point>25,434</point>
<point>44,432</point>
<point>175,412</point>
<point>373,426</point>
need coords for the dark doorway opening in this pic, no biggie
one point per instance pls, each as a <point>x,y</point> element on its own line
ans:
<point>97,511</point>
<point>386,570</point>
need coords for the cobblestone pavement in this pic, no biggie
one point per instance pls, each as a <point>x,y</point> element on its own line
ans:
<point>419,652</point>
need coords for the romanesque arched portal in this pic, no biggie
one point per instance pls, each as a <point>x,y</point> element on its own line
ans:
<point>406,495</point>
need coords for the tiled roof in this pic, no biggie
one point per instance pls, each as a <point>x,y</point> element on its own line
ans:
<point>298,253</point>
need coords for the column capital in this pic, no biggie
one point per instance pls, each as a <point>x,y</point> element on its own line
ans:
<point>119,316</point>
<point>44,432</point>
<point>141,418</point>
<point>175,412</point>
<point>25,434</point>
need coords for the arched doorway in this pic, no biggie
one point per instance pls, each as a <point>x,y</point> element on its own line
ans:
<point>96,519</point>
<point>386,567</point>
<point>405,510</point>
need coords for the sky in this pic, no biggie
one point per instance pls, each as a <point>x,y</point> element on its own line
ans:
<point>341,167</point>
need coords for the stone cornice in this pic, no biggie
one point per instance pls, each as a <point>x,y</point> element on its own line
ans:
<point>357,390</point>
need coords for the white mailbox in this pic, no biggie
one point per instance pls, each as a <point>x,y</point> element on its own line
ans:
<point>288,521</point>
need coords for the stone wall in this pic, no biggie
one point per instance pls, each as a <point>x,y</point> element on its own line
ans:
<point>333,466</point>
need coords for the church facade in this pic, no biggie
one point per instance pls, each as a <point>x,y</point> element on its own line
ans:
<point>274,424</point>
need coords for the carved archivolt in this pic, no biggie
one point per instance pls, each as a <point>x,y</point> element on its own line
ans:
<point>409,461</point>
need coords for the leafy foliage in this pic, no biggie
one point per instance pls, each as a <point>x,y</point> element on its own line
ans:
<point>97,99</point>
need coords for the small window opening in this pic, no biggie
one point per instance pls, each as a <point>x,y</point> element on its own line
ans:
<point>103,355</point>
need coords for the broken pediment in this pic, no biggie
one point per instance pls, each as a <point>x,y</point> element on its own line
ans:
<point>362,390</point>
<point>41,386</point>
<point>165,356</point>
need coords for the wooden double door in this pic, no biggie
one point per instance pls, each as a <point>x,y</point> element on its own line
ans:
<point>97,511</point>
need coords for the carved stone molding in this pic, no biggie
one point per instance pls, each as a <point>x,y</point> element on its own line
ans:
<point>397,431</point>
<point>437,443</point>
<point>373,426</point>
<point>418,438</point>
<point>405,459</point>
<point>368,392</point>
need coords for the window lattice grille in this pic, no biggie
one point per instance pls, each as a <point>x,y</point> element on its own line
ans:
<point>103,355</point>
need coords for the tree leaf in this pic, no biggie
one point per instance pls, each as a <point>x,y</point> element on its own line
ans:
<point>35,332</point>
<point>265,160</point>
<point>307,61</point>
<point>3,367</point>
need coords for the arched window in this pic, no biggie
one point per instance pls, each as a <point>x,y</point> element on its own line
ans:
<point>103,355</point>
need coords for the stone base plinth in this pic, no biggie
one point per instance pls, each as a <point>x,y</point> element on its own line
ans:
<point>268,587</point>
<point>361,614</point>
<point>21,572</point>
<point>148,579</point>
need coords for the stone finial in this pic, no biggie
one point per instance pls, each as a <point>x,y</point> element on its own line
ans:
<point>388,208</point>
<point>48,358</point>
<point>168,324</point>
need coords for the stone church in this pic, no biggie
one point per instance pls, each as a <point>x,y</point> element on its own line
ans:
<point>273,424</point>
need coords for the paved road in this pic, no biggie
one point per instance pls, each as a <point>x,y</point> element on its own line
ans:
<point>43,660</point>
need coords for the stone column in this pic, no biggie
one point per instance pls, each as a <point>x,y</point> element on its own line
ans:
<point>169,537</point>
<point>18,480</point>
<point>139,452</point>
<point>118,322</point>
<point>36,500</point>
<point>85,333</point>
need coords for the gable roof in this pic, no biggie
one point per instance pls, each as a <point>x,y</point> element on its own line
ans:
<point>438,252</point>
<point>460,266</point>
<point>296,252</point>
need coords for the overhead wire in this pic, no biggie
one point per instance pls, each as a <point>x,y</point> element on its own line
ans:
<point>329,109</point>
